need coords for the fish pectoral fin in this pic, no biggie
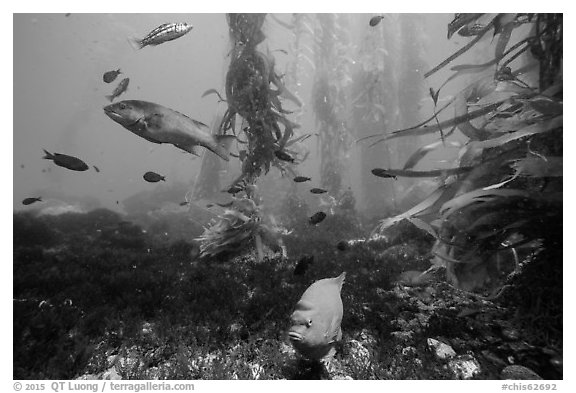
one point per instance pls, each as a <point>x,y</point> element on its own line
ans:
<point>139,124</point>
<point>192,149</point>
<point>153,119</point>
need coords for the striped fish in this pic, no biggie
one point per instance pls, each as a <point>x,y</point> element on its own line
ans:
<point>161,34</point>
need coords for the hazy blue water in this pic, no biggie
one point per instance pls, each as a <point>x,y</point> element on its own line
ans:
<point>59,95</point>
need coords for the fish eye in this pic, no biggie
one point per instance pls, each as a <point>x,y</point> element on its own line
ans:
<point>122,105</point>
<point>309,323</point>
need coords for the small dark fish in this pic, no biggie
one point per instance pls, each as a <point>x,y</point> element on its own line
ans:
<point>225,204</point>
<point>382,173</point>
<point>235,189</point>
<point>65,161</point>
<point>318,191</point>
<point>303,265</point>
<point>117,202</point>
<point>110,76</point>
<point>283,156</point>
<point>342,245</point>
<point>161,34</point>
<point>153,177</point>
<point>317,218</point>
<point>96,168</point>
<point>22,166</point>
<point>121,88</point>
<point>183,203</point>
<point>67,14</point>
<point>301,179</point>
<point>29,201</point>
<point>375,20</point>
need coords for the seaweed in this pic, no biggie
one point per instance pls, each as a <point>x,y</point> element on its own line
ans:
<point>481,209</point>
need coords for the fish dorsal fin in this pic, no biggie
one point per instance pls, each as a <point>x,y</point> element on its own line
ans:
<point>199,123</point>
<point>340,280</point>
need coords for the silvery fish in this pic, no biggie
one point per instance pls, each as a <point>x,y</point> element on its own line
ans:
<point>161,34</point>
<point>121,88</point>
<point>159,124</point>
<point>316,319</point>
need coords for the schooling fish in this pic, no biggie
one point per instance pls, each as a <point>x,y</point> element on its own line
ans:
<point>159,124</point>
<point>281,155</point>
<point>121,88</point>
<point>317,218</point>
<point>316,319</point>
<point>383,173</point>
<point>318,191</point>
<point>342,245</point>
<point>301,179</point>
<point>152,177</point>
<point>375,20</point>
<point>303,264</point>
<point>66,161</point>
<point>161,34</point>
<point>29,201</point>
<point>110,76</point>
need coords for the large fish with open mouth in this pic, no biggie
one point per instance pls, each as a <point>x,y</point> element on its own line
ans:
<point>159,124</point>
<point>316,319</point>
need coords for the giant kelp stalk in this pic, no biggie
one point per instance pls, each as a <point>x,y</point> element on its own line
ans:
<point>253,91</point>
<point>373,106</point>
<point>505,196</point>
<point>329,96</point>
<point>410,69</point>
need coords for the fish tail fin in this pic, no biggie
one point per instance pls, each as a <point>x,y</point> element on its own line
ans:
<point>135,43</point>
<point>222,145</point>
<point>340,279</point>
<point>48,156</point>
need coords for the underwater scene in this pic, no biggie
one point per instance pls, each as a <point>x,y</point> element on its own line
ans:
<point>287,196</point>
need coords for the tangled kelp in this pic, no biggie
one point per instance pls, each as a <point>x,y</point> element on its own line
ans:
<point>480,208</point>
<point>235,228</point>
<point>253,91</point>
